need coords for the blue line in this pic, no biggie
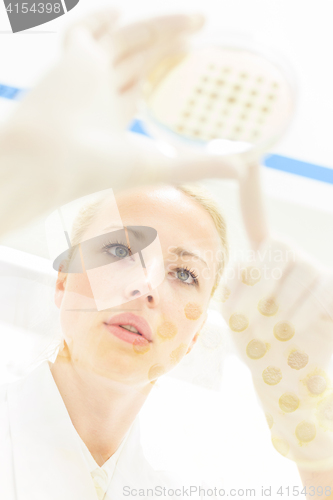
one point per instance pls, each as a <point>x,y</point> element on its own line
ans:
<point>276,162</point>
<point>298,167</point>
<point>8,92</point>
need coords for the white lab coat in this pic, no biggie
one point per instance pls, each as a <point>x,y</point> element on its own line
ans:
<point>40,451</point>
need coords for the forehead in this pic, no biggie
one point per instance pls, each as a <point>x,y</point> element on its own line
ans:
<point>178,219</point>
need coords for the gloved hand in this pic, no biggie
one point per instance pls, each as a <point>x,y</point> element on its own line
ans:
<point>68,136</point>
<point>279,307</point>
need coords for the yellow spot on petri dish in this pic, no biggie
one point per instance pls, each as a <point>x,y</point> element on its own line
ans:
<point>270,420</point>
<point>288,402</point>
<point>238,322</point>
<point>272,375</point>
<point>155,371</point>
<point>250,275</point>
<point>325,412</point>
<point>268,306</point>
<point>256,349</point>
<point>305,431</point>
<point>281,446</point>
<point>283,331</point>
<point>167,330</point>
<point>222,293</point>
<point>297,359</point>
<point>177,354</point>
<point>316,385</point>
<point>141,345</point>
<point>193,311</point>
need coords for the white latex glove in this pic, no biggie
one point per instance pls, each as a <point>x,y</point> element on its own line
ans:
<point>279,308</point>
<point>67,137</point>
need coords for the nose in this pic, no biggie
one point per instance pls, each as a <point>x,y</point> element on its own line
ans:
<point>153,298</point>
<point>141,289</point>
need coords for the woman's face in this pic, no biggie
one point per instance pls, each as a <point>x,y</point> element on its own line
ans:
<point>169,317</point>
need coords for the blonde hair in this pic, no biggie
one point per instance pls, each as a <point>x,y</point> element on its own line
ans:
<point>196,192</point>
<point>204,198</point>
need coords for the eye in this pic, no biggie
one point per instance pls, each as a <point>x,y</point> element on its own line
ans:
<point>117,250</point>
<point>183,275</point>
<point>186,276</point>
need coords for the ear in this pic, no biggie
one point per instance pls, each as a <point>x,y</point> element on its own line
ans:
<point>60,287</point>
<point>196,336</point>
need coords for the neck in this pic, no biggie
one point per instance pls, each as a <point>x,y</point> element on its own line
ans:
<point>101,410</point>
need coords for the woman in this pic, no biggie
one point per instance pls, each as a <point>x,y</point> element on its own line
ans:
<point>79,412</point>
<point>83,406</point>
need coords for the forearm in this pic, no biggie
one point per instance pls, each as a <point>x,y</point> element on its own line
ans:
<point>42,169</point>
<point>319,485</point>
<point>253,206</point>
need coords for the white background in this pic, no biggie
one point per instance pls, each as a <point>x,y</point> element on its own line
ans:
<point>298,207</point>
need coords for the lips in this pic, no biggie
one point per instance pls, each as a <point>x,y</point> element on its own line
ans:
<point>132,320</point>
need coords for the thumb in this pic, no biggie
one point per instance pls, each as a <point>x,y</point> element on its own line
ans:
<point>89,33</point>
<point>205,167</point>
<point>155,164</point>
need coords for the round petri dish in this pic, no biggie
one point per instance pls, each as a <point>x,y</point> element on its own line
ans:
<point>223,96</point>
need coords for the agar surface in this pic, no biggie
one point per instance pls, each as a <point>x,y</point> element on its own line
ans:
<point>251,275</point>
<point>141,345</point>
<point>167,330</point>
<point>284,331</point>
<point>305,431</point>
<point>222,293</point>
<point>289,402</point>
<point>268,306</point>
<point>256,349</point>
<point>272,375</point>
<point>297,359</point>
<point>155,371</point>
<point>177,354</point>
<point>193,311</point>
<point>238,322</point>
<point>316,384</point>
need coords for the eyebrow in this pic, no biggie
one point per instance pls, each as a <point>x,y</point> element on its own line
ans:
<point>182,252</point>
<point>138,234</point>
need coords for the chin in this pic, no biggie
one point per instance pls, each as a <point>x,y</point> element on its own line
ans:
<point>121,367</point>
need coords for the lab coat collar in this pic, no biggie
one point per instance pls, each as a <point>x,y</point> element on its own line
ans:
<point>48,460</point>
<point>47,453</point>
